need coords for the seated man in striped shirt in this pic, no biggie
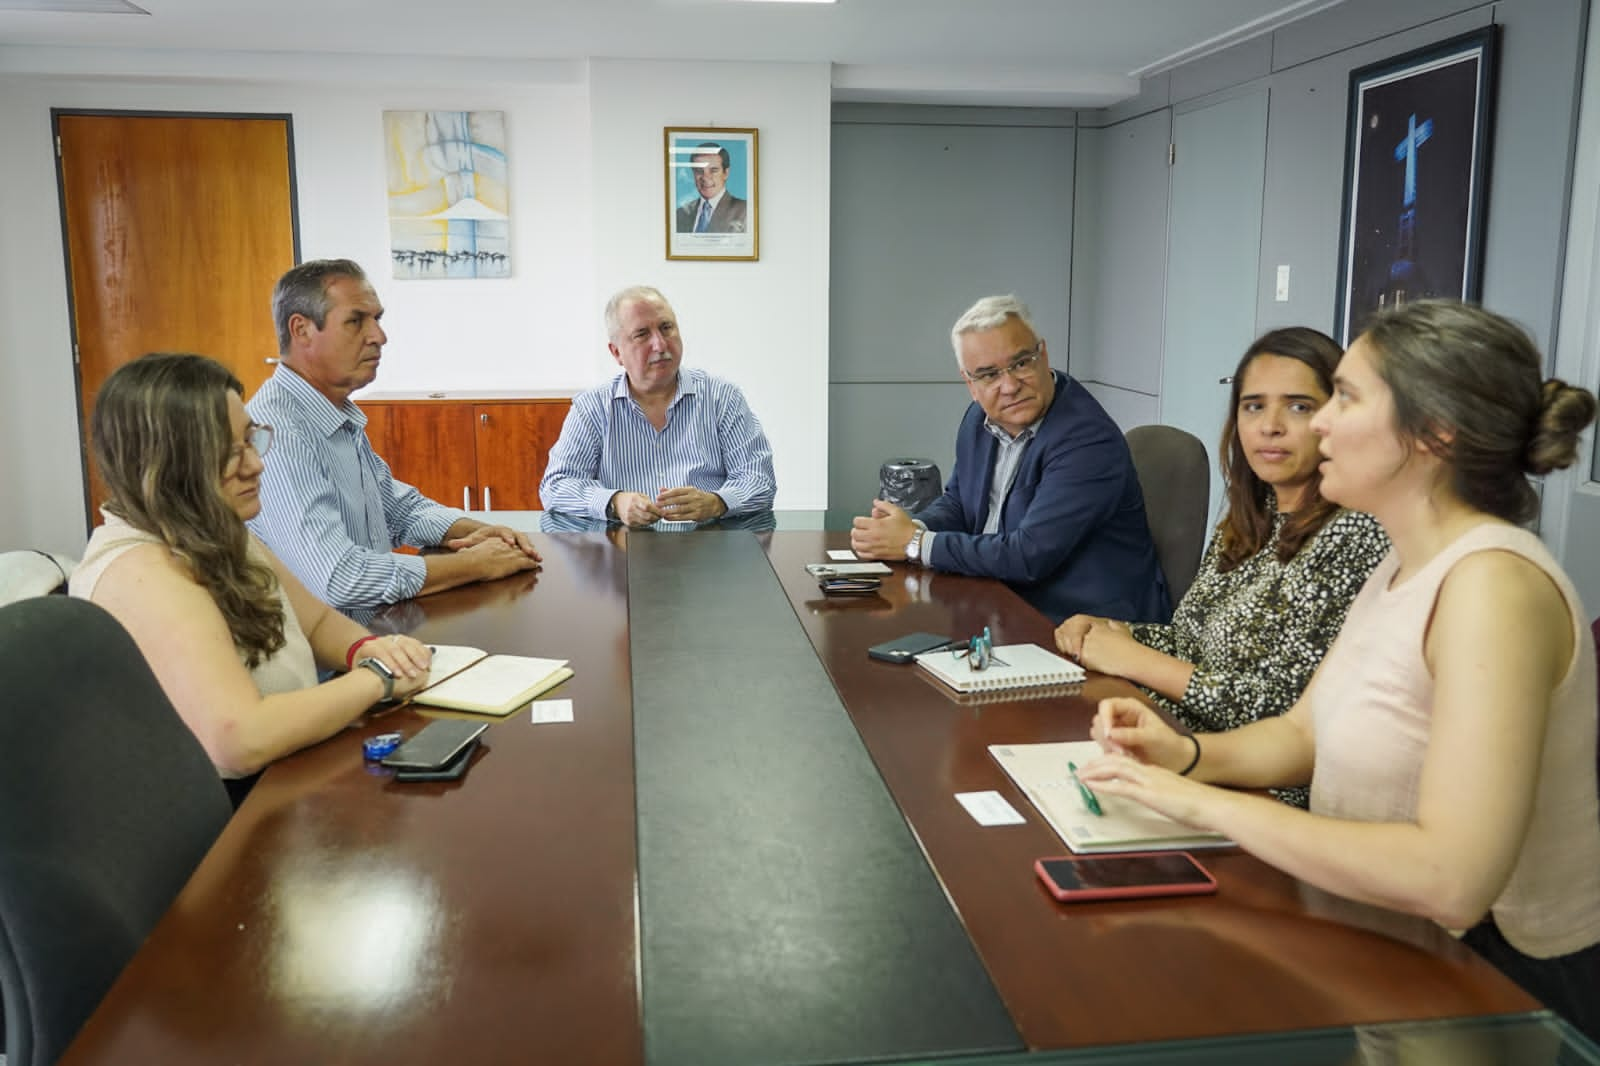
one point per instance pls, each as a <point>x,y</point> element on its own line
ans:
<point>657,442</point>
<point>330,508</point>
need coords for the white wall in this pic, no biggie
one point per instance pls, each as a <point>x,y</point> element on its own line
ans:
<point>578,137</point>
<point>762,324</point>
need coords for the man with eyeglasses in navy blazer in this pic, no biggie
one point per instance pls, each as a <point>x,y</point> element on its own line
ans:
<point>1043,496</point>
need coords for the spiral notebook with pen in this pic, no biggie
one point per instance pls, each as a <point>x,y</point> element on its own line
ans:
<point>1010,666</point>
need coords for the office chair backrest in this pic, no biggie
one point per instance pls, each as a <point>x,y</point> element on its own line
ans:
<point>1175,475</point>
<point>107,804</point>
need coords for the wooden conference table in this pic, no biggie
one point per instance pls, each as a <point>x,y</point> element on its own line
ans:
<point>743,849</point>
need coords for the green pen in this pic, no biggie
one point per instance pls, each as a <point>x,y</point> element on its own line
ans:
<point>1089,799</point>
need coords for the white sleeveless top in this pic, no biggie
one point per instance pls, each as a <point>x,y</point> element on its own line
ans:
<point>1371,706</point>
<point>291,668</point>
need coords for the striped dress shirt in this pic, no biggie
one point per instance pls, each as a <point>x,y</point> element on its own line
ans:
<point>330,508</point>
<point>712,442</point>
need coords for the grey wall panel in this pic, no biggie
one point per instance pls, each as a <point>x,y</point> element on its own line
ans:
<point>927,115</point>
<point>1231,66</point>
<point>1303,191</point>
<point>1524,243</point>
<point>927,219</point>
<point>1120,253</point>
<point>1211,261</point>
<point>1355,22</point>
<point>869,424</point>
<point>1126,408</point>
<point>1528,174</point>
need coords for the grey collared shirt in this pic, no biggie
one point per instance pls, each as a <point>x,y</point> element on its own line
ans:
<point>1007,460</point>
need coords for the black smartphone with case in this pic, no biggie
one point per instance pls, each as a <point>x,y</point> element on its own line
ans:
<point>908,647</point>
<point>435,745</point>
<point>451,771</point>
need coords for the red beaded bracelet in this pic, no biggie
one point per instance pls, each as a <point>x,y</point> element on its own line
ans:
<point>350,656</point>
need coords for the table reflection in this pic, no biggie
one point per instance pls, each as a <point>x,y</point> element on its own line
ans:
<point>562,522</point>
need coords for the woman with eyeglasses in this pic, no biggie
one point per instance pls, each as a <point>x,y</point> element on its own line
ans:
<point>1449,736</point>
<point>231,634</point>
<point>1279,573</point>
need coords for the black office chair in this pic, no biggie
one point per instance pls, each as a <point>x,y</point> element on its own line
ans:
<point>107,804</point>
<point>1175,475</point>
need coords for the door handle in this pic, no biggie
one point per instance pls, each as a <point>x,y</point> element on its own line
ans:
<point>488,501</point>
<point>272,360</point>
<point>466,498</point>
<point>483,418</point>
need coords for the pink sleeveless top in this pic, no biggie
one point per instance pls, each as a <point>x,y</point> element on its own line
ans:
<point>1371,704</point>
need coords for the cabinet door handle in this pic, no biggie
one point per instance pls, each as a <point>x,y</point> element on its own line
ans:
<point>272,360</point>
<point>488,501</point>
<point>466,498</point>
<point>483,418</point>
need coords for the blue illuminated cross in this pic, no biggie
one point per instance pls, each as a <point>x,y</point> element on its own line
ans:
<point>1407,149</point>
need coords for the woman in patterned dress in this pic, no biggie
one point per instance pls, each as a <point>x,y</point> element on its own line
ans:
<point>1278,574</point>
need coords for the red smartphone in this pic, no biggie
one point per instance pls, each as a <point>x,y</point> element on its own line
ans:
<point>1130,876</point>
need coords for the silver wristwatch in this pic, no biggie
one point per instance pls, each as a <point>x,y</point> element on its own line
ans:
<point>379,667</point>
<point>914,549</point>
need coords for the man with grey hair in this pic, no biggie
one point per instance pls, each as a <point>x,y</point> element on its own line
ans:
<point>330,508</point>
<point>657,442</point>
<point>1043,495</point>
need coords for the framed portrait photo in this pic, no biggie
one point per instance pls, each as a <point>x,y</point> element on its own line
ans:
<point>713,194</point>
<point>1416,163</point>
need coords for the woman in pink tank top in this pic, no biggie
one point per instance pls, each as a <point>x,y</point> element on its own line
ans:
<point>1449,736</point>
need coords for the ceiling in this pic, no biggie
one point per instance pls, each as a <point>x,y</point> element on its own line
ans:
<point>1066,53</point>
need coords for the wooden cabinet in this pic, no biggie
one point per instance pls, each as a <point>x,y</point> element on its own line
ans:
<point>479,455</point>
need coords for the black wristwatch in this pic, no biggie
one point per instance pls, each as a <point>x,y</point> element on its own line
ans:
<point>379,667</point>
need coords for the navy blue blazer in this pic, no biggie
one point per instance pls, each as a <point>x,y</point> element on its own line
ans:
<point>1073,537</point>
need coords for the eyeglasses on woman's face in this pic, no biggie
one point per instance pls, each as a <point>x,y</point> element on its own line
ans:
<point>1020,368</point>
<point>256,438</point>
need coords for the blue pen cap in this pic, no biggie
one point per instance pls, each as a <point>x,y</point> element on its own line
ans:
<point>379,746</point>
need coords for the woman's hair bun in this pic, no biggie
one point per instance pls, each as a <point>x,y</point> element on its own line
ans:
<point>1564,413</point>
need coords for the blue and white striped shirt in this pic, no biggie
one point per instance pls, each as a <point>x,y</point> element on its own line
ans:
<point>330,508</point>
<point>712,442</point>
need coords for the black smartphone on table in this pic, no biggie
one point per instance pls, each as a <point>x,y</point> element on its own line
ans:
<point>905,649</point>
<point>454,770</point>
<point>1127,876</point>
<point>435,745</point>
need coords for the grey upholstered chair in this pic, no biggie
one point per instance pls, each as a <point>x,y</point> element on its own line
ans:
<point>107,804</point>
<point>1175,474</point>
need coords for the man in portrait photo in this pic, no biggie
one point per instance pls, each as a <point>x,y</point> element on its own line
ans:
<point>715,209</point>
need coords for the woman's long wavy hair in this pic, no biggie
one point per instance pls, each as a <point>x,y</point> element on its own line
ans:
<point>1248,522</point>
<point>162,437</point>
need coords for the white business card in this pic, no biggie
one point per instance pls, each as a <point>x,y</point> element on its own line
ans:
<point>840,555</point>
<point>546,711</point>
<point>989,808</point>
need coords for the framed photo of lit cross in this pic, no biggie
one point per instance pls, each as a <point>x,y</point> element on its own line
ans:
<point>1415,171</point>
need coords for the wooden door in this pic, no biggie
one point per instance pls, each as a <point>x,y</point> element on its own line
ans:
<point>176,228</point>
<point>429,444</point>
<point>514,442</point>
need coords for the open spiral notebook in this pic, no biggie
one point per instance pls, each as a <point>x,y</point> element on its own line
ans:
<point>473,680</point>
